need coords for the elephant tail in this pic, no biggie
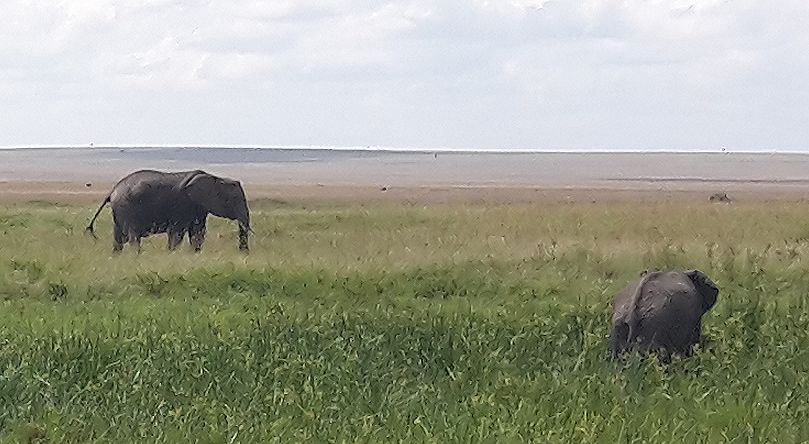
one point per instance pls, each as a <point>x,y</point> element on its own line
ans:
<point>632,317</point>
<point>90,230</point>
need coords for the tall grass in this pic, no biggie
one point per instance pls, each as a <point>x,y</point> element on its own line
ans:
<point>382,324</point>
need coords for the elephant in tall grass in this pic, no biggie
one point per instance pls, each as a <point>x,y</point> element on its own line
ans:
<point>150,202</point>
<point>662,313</point>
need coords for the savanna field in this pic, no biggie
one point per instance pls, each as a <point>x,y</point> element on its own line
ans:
<point>384,323</point>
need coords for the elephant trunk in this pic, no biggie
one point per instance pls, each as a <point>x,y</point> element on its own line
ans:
<point>244,230</point>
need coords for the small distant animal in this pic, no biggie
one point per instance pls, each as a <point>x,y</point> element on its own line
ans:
<point>176,203</point>
<point>720,197</point>
<point>661,313</point>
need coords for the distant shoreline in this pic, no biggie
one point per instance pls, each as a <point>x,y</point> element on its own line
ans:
<point>329,172</point>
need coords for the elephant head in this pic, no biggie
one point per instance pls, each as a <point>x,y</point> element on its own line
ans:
<point>221,197</point>
<point>705,286</point>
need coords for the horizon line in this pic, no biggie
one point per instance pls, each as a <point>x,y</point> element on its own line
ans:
<point>400,149</point>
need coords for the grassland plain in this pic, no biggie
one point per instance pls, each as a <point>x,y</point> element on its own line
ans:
<point>446,323</point>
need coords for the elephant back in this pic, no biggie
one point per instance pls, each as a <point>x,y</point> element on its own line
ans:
<point>670,308</point>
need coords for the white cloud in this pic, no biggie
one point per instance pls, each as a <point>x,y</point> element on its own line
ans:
<point>506,73</point>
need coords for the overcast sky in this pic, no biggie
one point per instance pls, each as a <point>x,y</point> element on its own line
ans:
<point>523,74</point>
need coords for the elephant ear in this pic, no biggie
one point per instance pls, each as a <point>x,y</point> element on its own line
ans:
<point>201,188</point>
<point>706,287</point>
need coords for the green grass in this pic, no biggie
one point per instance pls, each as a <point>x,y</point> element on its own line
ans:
<point>385,324</point>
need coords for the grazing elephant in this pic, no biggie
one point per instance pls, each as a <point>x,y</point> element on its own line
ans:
<point>662,313</point>
<point>148,202</point>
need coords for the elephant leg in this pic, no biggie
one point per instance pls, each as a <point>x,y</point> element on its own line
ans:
<point>175,237</point>
<point>196,235</point>
<point>118,239</point>
<point>243,240</point>
<point>618,337</point>
<point>695,339</point>
<point>134,240</point>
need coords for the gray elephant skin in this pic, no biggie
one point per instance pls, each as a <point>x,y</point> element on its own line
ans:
<point>662,313</point>
<point>176,203</point>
